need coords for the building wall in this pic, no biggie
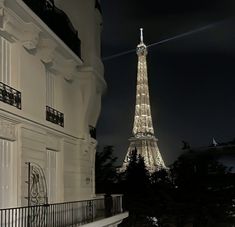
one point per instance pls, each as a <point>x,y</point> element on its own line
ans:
<point>66,154</point>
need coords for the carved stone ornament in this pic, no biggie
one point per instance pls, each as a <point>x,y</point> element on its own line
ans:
<point>7,130</point>
<point>35,37</point>
<point>46,50</point>
<point>31,36</point>
<point>16,28</point>
<point>67,68</point>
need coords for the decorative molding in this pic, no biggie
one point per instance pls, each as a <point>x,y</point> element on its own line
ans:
<point>67,68</point>
<point>52,142</point>
<point>30,38</point>
<point>34,35</point>
<point>16,28</point>
<point>46,50</point>
<point>7,130</point>
<point>9,24</point>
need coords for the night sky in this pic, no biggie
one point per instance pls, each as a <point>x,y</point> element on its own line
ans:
<point>191,79</point>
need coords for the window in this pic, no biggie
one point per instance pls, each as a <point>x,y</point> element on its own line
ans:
<point>9,63</point>
<point>50,88</point>
<point>52,114</point>
<point>6,184</point>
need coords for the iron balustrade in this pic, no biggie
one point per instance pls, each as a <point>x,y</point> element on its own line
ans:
<point>92,131</point>
<point>59,214</point>
<point>10,95</point>
<point>54,116</point>
<point>98,6</point>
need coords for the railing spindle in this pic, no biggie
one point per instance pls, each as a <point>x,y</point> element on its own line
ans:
<point>58,214</point>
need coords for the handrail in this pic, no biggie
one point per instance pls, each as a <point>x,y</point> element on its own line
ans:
<point>61,214</point>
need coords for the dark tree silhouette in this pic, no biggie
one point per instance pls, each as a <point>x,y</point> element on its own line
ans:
<point>204,191</point>
<point>163,189</point>
<point>197,190</point>
<point>105,170</point>
<point>136,175</point>
<point>137,192</point>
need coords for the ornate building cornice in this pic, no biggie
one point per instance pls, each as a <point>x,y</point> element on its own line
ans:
<point>18,30</point>
<point>35,36</point>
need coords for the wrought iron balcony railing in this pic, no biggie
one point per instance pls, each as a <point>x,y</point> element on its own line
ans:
<point>10,95</point>
<point>54,116</point>
<point>60,214</point>
<point>98,6</point>
<point>57,20</point>
<point>92,131</point>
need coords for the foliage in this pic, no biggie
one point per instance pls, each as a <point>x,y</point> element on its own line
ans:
<point>197,190</point>
<point>105,169</point>
<point>136,174</point>
<point>137,192</point>
<point>204,190</point>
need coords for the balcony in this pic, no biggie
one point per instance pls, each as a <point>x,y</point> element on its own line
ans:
<point>57,21</point>
<point>98,6</point>
<point>54,116</point>
<point>64,214</point>
<point>92,131</point>
<point>10,95</point>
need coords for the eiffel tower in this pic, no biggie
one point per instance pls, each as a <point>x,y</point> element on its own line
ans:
<point>143,140</point>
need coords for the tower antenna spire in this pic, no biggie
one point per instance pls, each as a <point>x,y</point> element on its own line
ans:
<point>141,35</point>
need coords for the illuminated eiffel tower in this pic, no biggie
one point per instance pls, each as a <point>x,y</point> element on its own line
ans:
<point>143,140</point>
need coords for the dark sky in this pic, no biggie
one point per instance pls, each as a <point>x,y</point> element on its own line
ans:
<point>191,79</point>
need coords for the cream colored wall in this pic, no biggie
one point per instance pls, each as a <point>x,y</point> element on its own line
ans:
<point>79,99</point>
<point>32,84</point>
<point>74,161</point>
<point>88,21</point>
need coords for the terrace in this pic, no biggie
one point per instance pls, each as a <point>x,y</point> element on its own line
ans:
<point>71,214</point>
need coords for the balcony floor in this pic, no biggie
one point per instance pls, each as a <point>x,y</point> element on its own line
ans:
<point>105,222</point>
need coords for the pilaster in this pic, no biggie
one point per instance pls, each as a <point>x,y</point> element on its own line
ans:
<point>8,163</point>
<point>7,130</point>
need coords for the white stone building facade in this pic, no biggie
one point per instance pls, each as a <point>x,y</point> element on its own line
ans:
<point>50,101</point>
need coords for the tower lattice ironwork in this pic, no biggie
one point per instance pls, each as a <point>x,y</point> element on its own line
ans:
<point>143,140</point>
